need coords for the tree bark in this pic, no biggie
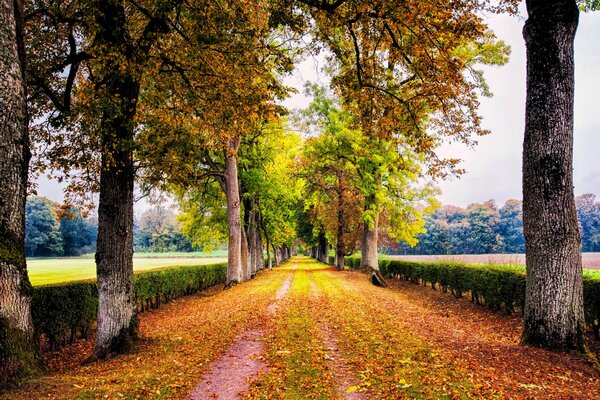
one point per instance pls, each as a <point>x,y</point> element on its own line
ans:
<point>268,244</point>
<point>323,248</point>
<point>260,251</point>
<point>117,326</point>
<point>277,255</point>
<point>18,352</point>
<point>554,299</point>
<point>340,250</point>
<point>245,256</point>
<point>253,236</point>
<point>368,259</point>
<point>235,273</point>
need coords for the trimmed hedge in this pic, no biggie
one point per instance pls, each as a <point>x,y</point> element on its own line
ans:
<point>495,286</point>
<point>65,311</point>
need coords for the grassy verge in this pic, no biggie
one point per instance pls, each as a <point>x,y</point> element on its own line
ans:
<point>44,271</point>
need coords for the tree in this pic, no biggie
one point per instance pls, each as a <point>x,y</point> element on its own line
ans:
<point>554,315</point>
<point>331,176</point>
<point>218,85</point>
<point>78,233</point>
<point>376,175</point>
<point>271,189</point>
<point>511,226</point>
<point>18,357</point>
<point>483,219</point>
<point>114,41</point>
<point>588,213</point>
<point>43,231</point>
<point>160,230</point>
<point>409,70</point>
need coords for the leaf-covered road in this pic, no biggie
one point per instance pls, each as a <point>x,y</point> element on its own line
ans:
<point>331,335</point>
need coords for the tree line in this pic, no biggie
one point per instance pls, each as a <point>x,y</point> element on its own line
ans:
<point>483,228</point>
<point>184,97</point>
<point>52,231</point>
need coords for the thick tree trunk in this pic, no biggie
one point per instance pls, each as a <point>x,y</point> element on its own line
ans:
<point>117,311</point>
<point>368,259</point>
<point>235,273</point>
<point>554,300</point>
<point>117,326</point>
<point>18,353</point>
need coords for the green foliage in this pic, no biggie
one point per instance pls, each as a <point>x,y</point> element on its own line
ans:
<point>483,228</point>
<point>589,5</point>
<point>267,175</point>
<point>372,177</point>
<point>61,312</point>
<point>495,286</point>
<point>65,311</point>
<point>588,213</point>
<point>78,234</point>
<point>42,228</point>
<point>154,286</point>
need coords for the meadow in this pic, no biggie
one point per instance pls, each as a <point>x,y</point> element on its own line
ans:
<point>590,260</point>
<point>43,271</point>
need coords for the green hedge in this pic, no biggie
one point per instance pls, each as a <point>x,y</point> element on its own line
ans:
<point>65,311</point>
<point>495,286</point>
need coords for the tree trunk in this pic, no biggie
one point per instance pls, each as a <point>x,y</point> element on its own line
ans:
<point>323,248</point>
<point>260,251</point>
<point>18,352</point>
<point>368,259</point>
<point>247,245</point>
<point>235,273</point>
<point>339,245</point>
<point>554,300</point>
<point>117,325</point>
<point>277,255</point>
<point>245,256</point>
<point>251,226</point>
<point>268,244</point>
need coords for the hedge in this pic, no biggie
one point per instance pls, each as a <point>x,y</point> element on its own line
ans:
<point>66,311</point>
<point>495,286</point>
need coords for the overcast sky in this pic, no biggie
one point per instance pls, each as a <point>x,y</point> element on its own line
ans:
<point>494,165</point>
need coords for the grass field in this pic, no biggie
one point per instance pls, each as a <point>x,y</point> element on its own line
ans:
<point>590,260</point>
<point>44,271</point>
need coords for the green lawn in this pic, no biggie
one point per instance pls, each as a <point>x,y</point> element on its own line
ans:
<point>43,271</point>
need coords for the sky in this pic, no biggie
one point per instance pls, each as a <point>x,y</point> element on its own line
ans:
<point>493,167</point>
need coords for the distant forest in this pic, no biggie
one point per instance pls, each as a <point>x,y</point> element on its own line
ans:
<point>52,231</point>
<point>483,228</point>
<point>480,228</point>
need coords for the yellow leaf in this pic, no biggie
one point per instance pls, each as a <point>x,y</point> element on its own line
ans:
<point>352,389</point>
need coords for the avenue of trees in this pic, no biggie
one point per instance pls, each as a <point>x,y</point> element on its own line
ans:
<point>483,228</point>
<point>183,97</point>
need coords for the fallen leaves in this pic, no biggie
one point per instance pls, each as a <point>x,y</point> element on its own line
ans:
<point>332,329</point>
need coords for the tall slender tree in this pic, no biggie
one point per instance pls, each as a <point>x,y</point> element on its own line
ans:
<point>17,349</point>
